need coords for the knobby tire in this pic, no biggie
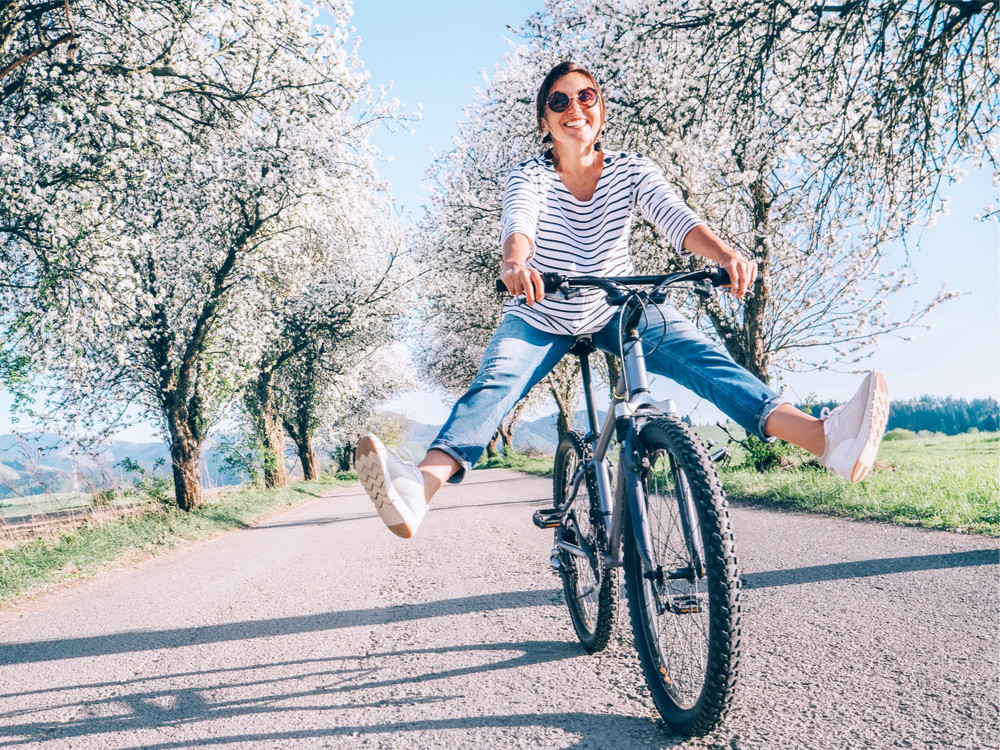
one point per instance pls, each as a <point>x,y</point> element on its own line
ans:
<point>690,660</point>
<point>591,589</point>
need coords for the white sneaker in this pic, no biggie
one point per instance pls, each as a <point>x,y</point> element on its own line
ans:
<point>854,430</point>
<point>395,487</point>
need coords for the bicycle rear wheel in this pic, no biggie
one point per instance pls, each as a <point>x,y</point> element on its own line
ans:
<point>685,613</point>
<point>590,588</point>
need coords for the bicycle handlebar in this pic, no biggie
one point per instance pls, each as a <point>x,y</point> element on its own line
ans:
<point>555,282</point>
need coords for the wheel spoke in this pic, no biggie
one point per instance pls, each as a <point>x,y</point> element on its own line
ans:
<point>682,638</point>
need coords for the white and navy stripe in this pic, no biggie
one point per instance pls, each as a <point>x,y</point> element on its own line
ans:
<point>587,237</point>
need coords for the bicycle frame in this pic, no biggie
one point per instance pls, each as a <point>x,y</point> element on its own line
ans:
<point>631,405</point>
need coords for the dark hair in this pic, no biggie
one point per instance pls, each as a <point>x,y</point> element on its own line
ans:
<point>564,68</point>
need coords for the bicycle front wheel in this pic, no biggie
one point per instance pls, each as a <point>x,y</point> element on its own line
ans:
<point>685,612</point>
<point>590,587</point>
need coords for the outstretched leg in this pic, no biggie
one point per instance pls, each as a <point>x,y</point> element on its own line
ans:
<point>846,441</point>
<point>437,467</point>
<point>795,426</point>
<point>517,358</point>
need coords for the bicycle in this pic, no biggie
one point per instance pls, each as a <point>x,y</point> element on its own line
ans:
<point>666,523</point>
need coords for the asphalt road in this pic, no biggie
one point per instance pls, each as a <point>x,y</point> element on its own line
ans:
<point>319,628</point>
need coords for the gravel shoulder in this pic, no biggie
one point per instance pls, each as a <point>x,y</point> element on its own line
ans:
<point>318,628</point>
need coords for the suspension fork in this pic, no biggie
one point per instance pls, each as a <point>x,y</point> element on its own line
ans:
<point>635,495</point>
<point>689,519</point>
<point>634,462</point>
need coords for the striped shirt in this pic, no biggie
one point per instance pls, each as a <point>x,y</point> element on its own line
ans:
<point>586,237</point>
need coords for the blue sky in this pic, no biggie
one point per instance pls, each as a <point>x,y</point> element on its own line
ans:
<point>434,53</point>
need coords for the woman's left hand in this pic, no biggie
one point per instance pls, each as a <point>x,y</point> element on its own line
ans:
<point>742,274</point>
<point>704,242</point>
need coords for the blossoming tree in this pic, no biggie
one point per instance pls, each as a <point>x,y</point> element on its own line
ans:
<point>333,394</point>
<point>807,136</point>
<point>327,335</point>
<point>161,184</point>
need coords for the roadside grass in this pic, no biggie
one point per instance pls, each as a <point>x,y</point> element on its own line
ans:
<point>941,482</point>
<point>529,464</point>
<point>114,541</point>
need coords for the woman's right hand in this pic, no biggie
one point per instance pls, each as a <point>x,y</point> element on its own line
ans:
<point>520,279</point>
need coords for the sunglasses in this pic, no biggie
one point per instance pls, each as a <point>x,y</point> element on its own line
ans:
<point>560,100</point>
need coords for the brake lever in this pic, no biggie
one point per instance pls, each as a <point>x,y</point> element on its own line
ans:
<point>568,292</point>
<point>748,294</point>
<point>703,288</point>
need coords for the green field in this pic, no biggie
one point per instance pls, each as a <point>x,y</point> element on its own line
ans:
<point>537,465</point>
<point>938,482</point>
<point>45,503</point>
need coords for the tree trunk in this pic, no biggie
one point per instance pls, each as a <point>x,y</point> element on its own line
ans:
<point>564,417</point>
<point>746,340</point>
<point>756,357</point>
<point>506,433</point>
<point>275,474</point>
<point>491,447</point>
<point>184,454</point>
<point>345,461</point>
<point>307,455</point>
<point>614,372</point>
<point>563,424</point>
<point>507,425</point>
<point>272,432</point>
<point>563,384</point>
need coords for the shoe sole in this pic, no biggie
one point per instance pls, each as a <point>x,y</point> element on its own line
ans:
<point>370,466</point>
<point>877,417</point>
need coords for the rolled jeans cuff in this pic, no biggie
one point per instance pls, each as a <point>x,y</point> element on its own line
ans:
<point>465,466</point>
<point>769,407</point>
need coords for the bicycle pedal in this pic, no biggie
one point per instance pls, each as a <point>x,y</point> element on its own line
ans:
<point>687,605</point>
<point>547,518</point>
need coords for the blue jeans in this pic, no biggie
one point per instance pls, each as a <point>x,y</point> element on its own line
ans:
<point>520,355</point>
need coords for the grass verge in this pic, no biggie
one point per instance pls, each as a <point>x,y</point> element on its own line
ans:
<point>938,482</point>
<point>538,465</point>
<point>117,541</point>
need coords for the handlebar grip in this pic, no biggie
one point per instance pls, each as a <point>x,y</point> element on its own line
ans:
<point>718,276</point>
<point>553,282</point>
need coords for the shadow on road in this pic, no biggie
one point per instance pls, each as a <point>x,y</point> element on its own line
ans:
<point>328,686</point>
<point>121,643</point>
<point>529,503</point>
<point>866,568</point>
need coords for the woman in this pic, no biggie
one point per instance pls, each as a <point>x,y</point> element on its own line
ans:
<point>569,210</point>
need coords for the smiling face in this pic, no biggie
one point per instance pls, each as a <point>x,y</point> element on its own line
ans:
<point>577,126</point>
